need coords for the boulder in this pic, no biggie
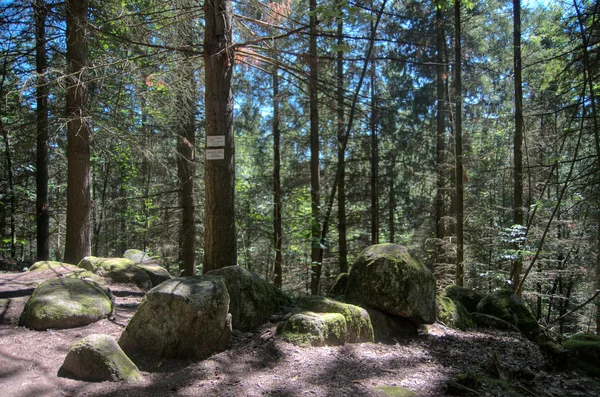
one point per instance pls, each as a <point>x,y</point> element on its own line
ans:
<point>66,303</point>
<point>54,266</point>
<point>486,321</point>
<point>388,328</point>
<point>388,278</point>
<point>339,285</point>
<point>453,314</point>
<point>119,270</point>
<point>507,306</point>
<point>467,297</point>
<point>183,317</point>
<point>155,272</point>
<point>99,358</point>
<point>252,299</point>
<point>584,353</point>
<point>314,329</point>
<point>137,256</point>
<point>358,322</point>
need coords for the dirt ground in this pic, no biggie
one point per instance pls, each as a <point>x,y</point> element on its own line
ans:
<point>260,364</point>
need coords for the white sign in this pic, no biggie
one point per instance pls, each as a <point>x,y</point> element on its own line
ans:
<point>215,141</point>
<point>215,154</point>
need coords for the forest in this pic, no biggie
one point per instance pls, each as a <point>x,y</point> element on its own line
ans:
<point>287,136</point>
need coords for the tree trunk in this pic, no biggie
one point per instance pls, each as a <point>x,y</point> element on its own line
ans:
<point>10,193</point>
<point>392,201</point>
<point>374,161</point>
<point>518,138</point>
<point>315,177</point>
<point>458,149</point>
<point>220,245</point>
<point>41,175</point>
<point>440,132</point>
<point>78,243</point>
<point>277,230</point>
<point>341,156</point>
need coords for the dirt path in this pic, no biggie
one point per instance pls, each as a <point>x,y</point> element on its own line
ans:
<point>259,364</point>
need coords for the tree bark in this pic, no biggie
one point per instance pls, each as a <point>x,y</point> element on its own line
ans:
<point>518,139</point>
<point>277,230</point>
<point>41,175</point>
<point>220,245</point>
<point>374,161</point>
<point>315,175</point>
<point>78,243</point>
<point>440,131</point>
<point>458,149</point>
<point>341,155</point>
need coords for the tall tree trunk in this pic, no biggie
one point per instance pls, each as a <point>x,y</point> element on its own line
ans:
<point>78,242</point>
<point>458,149</point>
<point>41,175</point>
<point>11,191</point>
<point>186,166</point>
<point>440,131</point>
<point>374,161</point>
<point>392,200</point>
<point>518,138</point>
<point>315,177</point>
<point>341,156</point>
<point>277,230</point>
<point>220,245</point>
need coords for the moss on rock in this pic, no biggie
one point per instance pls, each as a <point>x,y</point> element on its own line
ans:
<point>339,285</point>
<point>358,322</point>
<point>395,391</point>
<point>487,321</point>
<point>506,305</point>
<point>468,297</point>
<point>454,314</point>
<point>99,358</point>
<point>55,266</point>
<point>388,278</point>
<point>308,328</point>
<point>585,348</point>
<point>119,270</point>
<point>66,303</point>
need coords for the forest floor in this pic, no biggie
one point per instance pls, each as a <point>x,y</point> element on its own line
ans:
<point>260,364</point>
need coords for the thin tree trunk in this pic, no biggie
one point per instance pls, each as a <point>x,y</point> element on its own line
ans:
<point>518,139</point>
<point>459,150</point>
<point>341,156</point>
<point>374,161</point>
<point>41,175</point>
<point>277,230</point>
<point>10,193</point>
<point>392,200</point>
<point>78,242</point>
<point>220,245</point>
<point>440,131</point>
<point>315,177</point>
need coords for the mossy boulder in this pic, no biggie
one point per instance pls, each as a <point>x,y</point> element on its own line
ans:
<point>308,328</point>
<point>453,314</point>
<point>339,285</point>
<point>137,256</point>
<point>584,348</point>
<point>358,322</point>
<point>252,299</point>
<point>486,321</point>
<point>119,270</point>
<point>183,317</point>
<point>466,296</point>
<point>66,303</point>
<point>54,266</point>
<point>99,358</point>
<point>155,272</point>
<point>388,328</point>
<point>507,306</point>
<point>388,278</point>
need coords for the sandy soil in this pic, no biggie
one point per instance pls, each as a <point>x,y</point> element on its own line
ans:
<point>260,364</point>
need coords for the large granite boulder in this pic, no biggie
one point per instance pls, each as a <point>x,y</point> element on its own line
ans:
<point>137,256</point>
<point>119,270</point>
<point>466,296</point>
<point>183,317</point>
<point>388,328</point>
<point>307,328</point>
<point>584,353</point>
<point>388,278</point>
<point>453,314</point>
<point>507,306</point>
<point>155,272</point>
<point>99,358</point>
<point>66,303</point>
<point>252,299</point>
<point>59,267</point>
<point>358,322</point>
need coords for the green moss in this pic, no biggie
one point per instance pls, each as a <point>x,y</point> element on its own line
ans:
<point>358,322</point>
<point>396,391</point>
<point>53,265</point>
<point>314,329</point>
<point>454,314</point>
<point>585,348</point>
<point>391,252</point>
<point>120,270</point>
<point>468,297</point>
